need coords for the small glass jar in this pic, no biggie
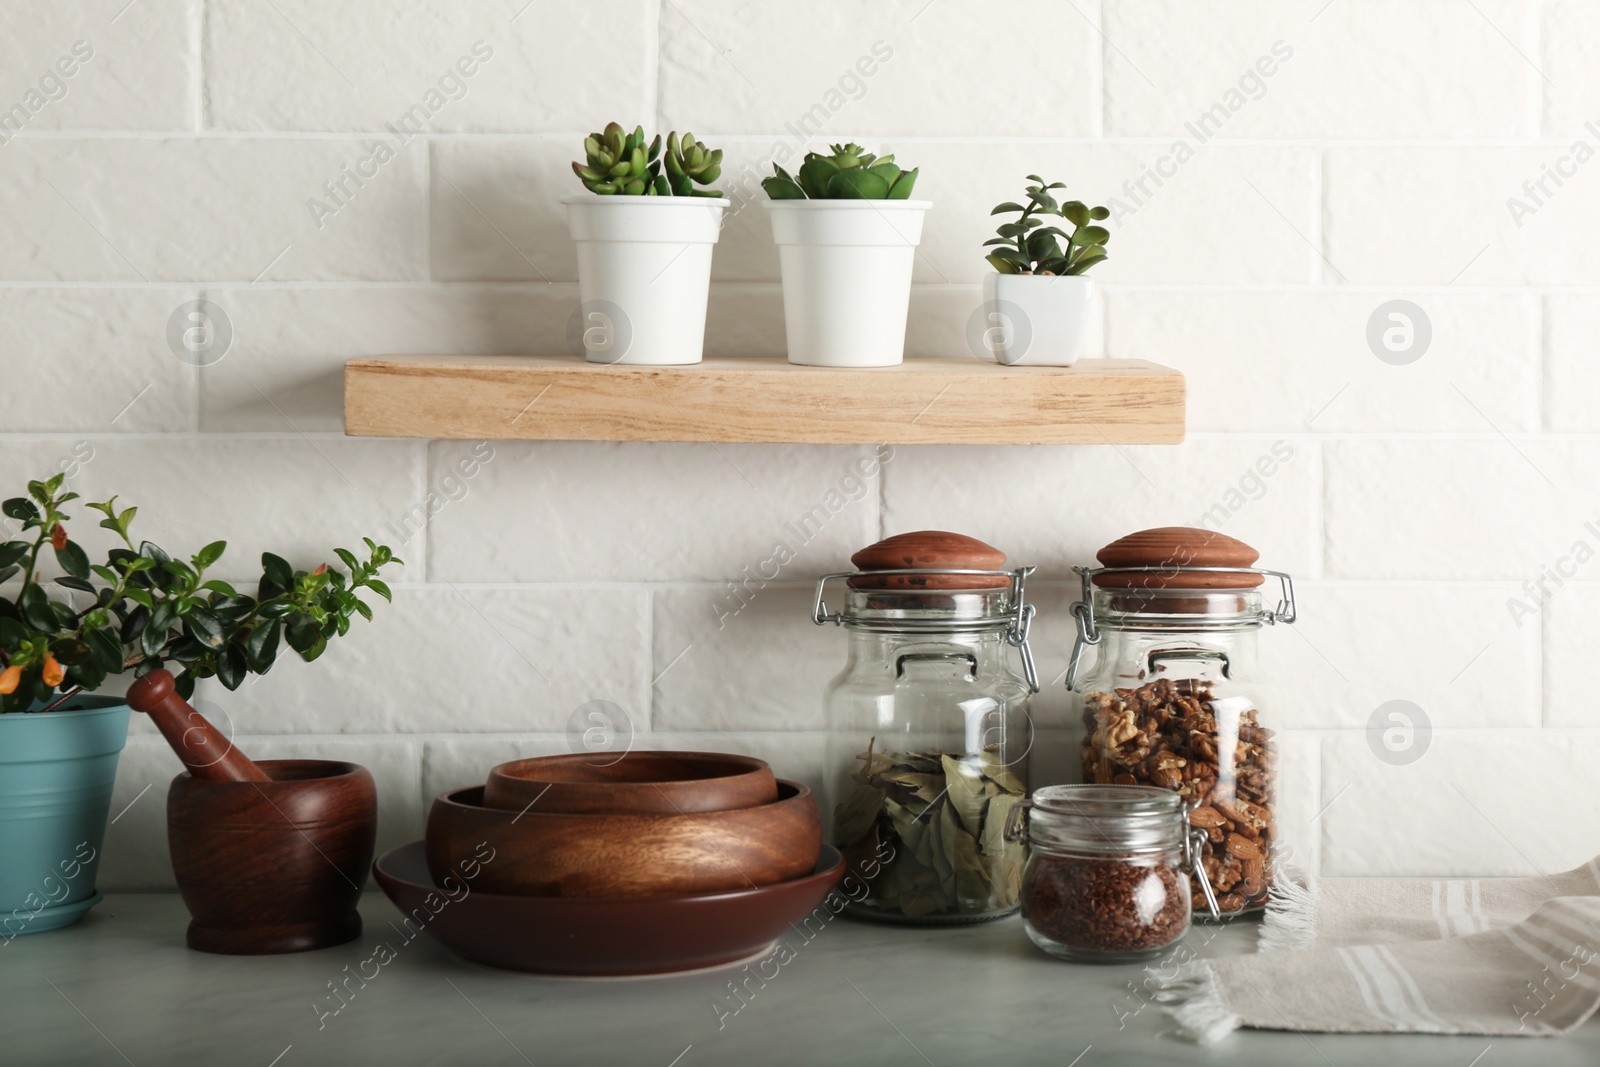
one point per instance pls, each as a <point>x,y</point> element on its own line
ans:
<point>928,729</point>
<point>1107,877</point>
<point>1176,698</point>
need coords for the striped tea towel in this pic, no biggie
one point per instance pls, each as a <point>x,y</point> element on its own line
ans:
<point>1365,911</point>
<point>1497,956</point>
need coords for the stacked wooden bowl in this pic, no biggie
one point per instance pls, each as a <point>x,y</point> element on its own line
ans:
<point>583,865</point>
<point>647,824</point>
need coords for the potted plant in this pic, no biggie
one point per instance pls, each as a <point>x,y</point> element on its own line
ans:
<point>644,241</point>
<point>138,611</point>
<point>847,234</point>
<point>1038,296</point>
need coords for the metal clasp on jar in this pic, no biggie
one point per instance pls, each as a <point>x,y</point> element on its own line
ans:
<point>1194,840</point>
<point>1089,631</point>
<point>1017,631</point>
<point>1016,827</point>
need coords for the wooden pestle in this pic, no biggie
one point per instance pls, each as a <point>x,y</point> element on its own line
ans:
<point>200,746</point>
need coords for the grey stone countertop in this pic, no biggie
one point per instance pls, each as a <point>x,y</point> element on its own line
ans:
<point>121,988</point>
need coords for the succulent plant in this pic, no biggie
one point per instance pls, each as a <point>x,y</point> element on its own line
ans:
<point>618,163</point>
<point>1028,246</point>
<point>688,163</point>
<point>850,173</point>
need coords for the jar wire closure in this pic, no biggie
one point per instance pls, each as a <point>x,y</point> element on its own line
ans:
<point>1083,612</point>
<point>1018,619</point>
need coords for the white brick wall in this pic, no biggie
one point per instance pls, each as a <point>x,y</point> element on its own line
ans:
<point>1345,70</point>
<point>304,65</point>
<point>1425,150</point>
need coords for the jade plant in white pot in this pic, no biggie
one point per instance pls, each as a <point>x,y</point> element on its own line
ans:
<point>847,232</point>
<point>1038,295</point>
<point>644,234</point>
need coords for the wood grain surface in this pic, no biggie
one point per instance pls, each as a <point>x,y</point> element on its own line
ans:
<point>923,401</point>
<point>274,866</point>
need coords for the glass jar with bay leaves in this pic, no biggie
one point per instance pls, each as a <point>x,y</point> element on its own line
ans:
<point>928,727</point>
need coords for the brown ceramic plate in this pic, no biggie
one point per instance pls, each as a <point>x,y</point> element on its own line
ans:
<point>663,783</point>
<point>600,935</point>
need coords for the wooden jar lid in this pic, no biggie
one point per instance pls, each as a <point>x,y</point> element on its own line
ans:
<point>1174,549</point>
<point>930,549</point>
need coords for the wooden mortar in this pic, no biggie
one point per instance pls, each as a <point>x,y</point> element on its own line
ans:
<point>270,857</point>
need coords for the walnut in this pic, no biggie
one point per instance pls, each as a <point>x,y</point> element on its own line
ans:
<point>1121,728</point>
<point>1164,733</point>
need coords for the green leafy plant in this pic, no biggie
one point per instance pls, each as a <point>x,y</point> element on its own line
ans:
<point>850,173</point>
<point>618,163</point>
<point>147,610</point>
<point>1029,246</point>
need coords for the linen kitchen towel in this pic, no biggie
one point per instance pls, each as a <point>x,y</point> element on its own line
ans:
<point>1493,956</point>
<point>1368,911</point>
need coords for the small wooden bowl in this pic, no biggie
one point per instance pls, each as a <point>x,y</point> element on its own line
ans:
<point>539,853</point>
<point>639,783</point>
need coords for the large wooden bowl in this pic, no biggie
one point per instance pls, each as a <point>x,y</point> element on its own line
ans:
<point>608,936</point>
<point>539,853</point>
<point>664,783</point>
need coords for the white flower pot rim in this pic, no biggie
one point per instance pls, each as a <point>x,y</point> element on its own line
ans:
<point>622,199</point>
<point>1042,277</point>
<point>851,204</point>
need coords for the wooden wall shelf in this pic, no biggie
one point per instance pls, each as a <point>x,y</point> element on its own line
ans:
<point>923,401</point>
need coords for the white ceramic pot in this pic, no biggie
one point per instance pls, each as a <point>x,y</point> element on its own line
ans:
<point>1038,320</point>
<point>846,278</point>
<point>644,273</point>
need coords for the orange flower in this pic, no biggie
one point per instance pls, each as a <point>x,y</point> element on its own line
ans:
<point>53,672</point>
<point>10,678</point>
<point>58,537</point>
<point>323,569</point>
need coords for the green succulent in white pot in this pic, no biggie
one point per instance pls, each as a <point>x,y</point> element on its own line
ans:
<point>1038,303</point>
<point>644,233</point>
<point>847,232</point>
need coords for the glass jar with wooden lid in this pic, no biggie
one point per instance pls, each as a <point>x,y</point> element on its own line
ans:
<point>1176,696</point>
<point>928,727</point>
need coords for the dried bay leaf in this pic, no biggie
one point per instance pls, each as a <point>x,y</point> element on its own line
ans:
<point>872,763</point>
<point>994,825</point>
<point>1002,775</point>
<point>925,763</point>
<point>906,827</point>
<point>1003,858</point>
<point>944,816</point>
<point>878,767</point>
<point>949,824</point>
<point>971,877</point>
<point>925,787</point>
<point>862,855</point>
<point>853,818</point>
<point>964,789</point>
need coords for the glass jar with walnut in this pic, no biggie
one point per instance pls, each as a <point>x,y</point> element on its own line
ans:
<point>1176,698</point>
